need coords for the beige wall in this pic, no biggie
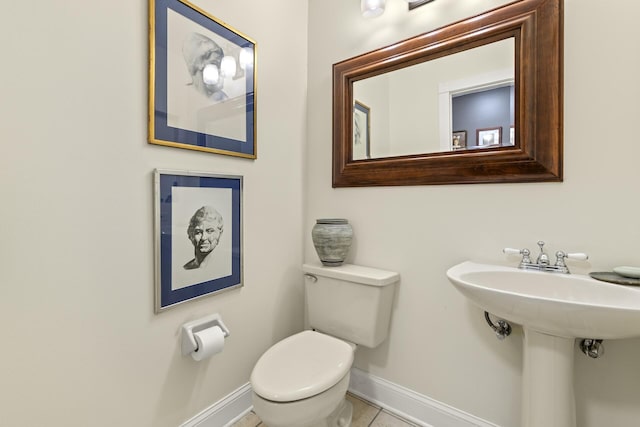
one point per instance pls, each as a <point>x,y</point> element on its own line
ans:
<point>439,344</point>
<point>80,345</point>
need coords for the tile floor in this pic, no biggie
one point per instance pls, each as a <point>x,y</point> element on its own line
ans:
<point>365,414</point>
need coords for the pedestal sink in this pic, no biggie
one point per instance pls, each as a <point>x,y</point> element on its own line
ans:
<point>553,309</point>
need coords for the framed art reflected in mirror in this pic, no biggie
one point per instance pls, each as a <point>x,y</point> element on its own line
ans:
<point>361,131</point>
<point>459,140</point>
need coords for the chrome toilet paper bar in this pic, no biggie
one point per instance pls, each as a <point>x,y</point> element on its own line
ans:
<point>188,329</point>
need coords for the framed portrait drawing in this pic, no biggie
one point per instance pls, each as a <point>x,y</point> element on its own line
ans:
<point>488,137</point>
<point>202,89</point>
<point>459,140</point>
<point>361,132</point>
<point>198,235</point>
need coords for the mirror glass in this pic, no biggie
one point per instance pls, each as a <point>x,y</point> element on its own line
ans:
<point>456,102</point>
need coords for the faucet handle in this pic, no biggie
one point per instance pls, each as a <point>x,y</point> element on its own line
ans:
<point>560,256</point>
<point>524,252</point>
<point>580,256</point>
<point>512,251</point>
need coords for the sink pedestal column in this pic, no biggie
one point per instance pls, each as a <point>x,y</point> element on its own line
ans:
<point>547,381</point>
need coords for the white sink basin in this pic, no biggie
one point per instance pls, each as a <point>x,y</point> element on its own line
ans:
<point>553,309</point>
<point>564,305</point>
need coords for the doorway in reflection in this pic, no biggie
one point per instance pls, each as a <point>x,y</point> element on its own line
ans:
<point>483,119</point>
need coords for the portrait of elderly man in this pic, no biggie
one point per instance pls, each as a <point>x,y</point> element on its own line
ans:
<point>204,231</point>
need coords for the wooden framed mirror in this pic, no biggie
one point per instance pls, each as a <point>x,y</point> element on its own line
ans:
<point>531,146</point>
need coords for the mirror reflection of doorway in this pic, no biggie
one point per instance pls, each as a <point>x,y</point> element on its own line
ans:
<point>478,112</point>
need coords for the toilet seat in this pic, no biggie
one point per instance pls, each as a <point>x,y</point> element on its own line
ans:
<point>301,366</point>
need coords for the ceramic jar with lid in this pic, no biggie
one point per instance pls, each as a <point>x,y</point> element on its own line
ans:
<point>332,239</point>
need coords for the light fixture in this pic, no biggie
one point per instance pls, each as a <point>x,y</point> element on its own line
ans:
<point>245,58</point>
<point>372,8</point>
<point>417,3</point>
<point>210,74</point>
<point>228,66</point>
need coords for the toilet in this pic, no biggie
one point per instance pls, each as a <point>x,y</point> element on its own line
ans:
<point>302,380</point>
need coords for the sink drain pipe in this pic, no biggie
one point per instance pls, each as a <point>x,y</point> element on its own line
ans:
<point>592,347</point>
<point>502,328</point>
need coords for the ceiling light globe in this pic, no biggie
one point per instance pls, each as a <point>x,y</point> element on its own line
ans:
<point>210,74</point>
<point>228,66</point>
<point>372,8</point>
<point>245,58</point>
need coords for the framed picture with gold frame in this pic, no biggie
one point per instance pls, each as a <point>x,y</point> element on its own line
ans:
<point>202,81</point>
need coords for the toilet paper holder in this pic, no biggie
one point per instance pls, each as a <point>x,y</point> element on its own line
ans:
<point>188,329</point>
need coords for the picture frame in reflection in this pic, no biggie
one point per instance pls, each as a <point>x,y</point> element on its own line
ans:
<point>459,140</point>
<point>488,137</point>
<point>361,141</point>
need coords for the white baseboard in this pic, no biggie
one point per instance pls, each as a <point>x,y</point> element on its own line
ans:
<point>408,404</point>
<point>226,411</point>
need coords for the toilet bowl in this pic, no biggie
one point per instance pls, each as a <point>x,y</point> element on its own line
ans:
<point>302,380</point>
<point>327,409</point>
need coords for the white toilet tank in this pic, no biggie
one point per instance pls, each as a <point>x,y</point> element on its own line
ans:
<point>350,301</point>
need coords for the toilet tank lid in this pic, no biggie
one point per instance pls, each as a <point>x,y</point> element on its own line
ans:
<point>354,273</point>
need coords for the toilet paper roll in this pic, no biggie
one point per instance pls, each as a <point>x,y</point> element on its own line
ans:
<point>210,341</point>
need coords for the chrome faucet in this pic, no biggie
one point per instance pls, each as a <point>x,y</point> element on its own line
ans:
<point>542,261</point>
<point>543,258</point>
